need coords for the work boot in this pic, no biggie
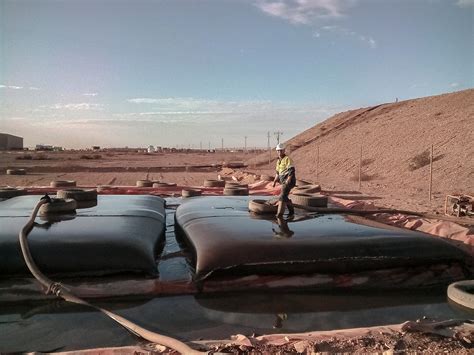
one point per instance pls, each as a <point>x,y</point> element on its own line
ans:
<point>291,209</point>
<point>281,209</point>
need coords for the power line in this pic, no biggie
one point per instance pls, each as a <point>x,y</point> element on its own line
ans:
<point>278,134</point>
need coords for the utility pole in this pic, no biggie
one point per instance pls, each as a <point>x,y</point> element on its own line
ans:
<point>209,145</point>
<point>222,144</point>
<point>200,145</point>
<point>278,134</point>
<point>245,145</point>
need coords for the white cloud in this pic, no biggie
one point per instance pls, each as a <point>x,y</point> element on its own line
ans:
<point>14,87</point>
<point>84,106</point>
<point>143,100</point>
<point>341,31</point>
<point>160,123</point>
<point>454,85</point>
<point>90,94</point>
<point>465,3</point>
<point>11,87</point>
<point>316,34</point>
<point>304,11</point>
<point>372,42</point>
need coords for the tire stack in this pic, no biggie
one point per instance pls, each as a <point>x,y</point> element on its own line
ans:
<point>235,189</point>
<point>309,199</point>
<point>214,183</point>
<point>58,206</point>
<point>62,183</point>
<point>16,172</point>
<point>307,189</point>
<point>144,183</point>
<point>262,207</point>
<point>83,198</point>
<point>186,193</point>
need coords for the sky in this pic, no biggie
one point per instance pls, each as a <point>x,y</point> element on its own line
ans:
<point>189,73</point>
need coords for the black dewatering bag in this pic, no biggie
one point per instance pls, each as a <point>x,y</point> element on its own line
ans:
<point>123,233</point>
<point>226,239</point>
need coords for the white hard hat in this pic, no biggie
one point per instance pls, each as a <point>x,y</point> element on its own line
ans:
<point>280,146</point>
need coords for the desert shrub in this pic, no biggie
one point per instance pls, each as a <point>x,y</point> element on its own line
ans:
<point>24,157</point>
<point>41,156</point>
<point>91,157</point>
<point>367,161</point>
<point>419,160</point>
<point>33,157</point>
<point>363,176</point>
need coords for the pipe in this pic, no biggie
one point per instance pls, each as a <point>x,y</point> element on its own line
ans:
<point>61,291</point>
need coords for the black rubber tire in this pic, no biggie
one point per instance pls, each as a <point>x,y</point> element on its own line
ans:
<point>62,183</point>
<point>309,200</point>
<point>234,165</point>
<point>16,172</point>
<point>191,193</point>
<point>266,178</point>
<point>144,183</point>
<point>235,184</point>
<point>9,192</point>
<point>78,194</point>
<point>214,183</point>
<point>462,292</point>
<point>300,183</point>
<point>262,207</point>
<point>58,206</point>
<point>307,189</point>
<point>235,191</point>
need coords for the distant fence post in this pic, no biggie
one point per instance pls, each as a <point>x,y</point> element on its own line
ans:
<point>360,167</point>
<point>317,166</point>
<point>431,174</point>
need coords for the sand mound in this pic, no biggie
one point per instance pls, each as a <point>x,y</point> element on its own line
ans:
<point>395,140</point>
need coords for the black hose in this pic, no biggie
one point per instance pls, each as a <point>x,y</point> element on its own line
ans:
<point>59,290</point>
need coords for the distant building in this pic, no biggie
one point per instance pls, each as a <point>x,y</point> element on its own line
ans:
<point>9,142</point>
<point>44,147</point>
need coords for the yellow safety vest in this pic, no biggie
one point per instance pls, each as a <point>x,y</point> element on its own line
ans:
<point>283,165</point>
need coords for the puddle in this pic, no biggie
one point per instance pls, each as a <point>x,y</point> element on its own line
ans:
<point>67,326</point>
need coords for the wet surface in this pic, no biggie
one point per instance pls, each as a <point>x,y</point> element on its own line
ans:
<point>120,234</point>
<point>66,326</point>
<point>226,238</point>
<point>58,325</point>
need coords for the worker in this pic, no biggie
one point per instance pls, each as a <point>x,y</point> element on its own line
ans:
<point>285,174</point>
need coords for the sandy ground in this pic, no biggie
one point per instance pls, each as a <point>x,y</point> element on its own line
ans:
<point>112,168</point>
<point>395,139</point>
<point>124,169</point>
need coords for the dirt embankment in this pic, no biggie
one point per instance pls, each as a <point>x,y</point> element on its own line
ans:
<point>393,143</point>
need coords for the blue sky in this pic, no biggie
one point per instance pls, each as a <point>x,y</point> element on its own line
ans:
<point>78,73</point>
